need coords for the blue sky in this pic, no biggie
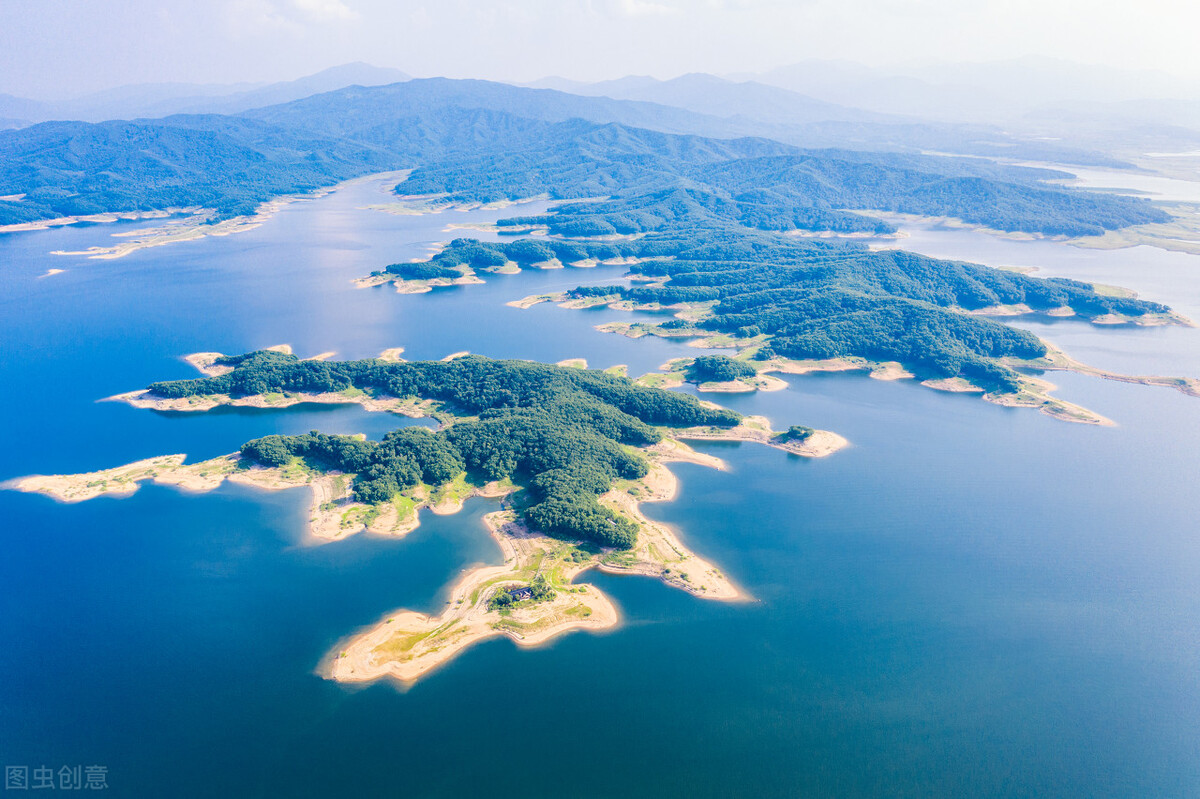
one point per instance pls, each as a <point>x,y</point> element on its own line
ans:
<point>63,47</point>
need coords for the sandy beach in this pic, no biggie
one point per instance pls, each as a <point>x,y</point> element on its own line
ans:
<point>1057,360</point>
<point>105,218</point>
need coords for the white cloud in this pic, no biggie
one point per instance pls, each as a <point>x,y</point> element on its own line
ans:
<point>326,10</point>
<point>251,17</point>
<point>645,8</point>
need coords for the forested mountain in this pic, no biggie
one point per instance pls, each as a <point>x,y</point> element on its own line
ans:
<point>653,179</point>
<point>486,140</point>
<point>230,164</point>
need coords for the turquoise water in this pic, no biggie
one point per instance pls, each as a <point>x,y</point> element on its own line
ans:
<point>970,601</point>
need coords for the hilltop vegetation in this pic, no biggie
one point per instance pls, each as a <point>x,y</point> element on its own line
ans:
<point>654,181</point>
<point>564,434</point>
<point>224,163</point>
<point>718,368</point>
<point>480,141</point>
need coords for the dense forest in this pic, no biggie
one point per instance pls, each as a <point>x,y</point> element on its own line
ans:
<point>821,299</point>
<point>564,434</point>
<point>718,369</point>
<point>653,181</point>
<point>472,140</point>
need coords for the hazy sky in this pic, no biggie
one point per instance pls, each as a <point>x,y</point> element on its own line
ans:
<point>63,47</point>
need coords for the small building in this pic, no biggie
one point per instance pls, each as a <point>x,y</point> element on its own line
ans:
<point>521,592</point>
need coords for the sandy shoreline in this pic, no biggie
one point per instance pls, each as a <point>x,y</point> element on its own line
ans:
<point>193,228</point>
<point>333,514</point>
<point>205,363</point>
<point>145,400</point>
<point>471,276</point>
<point>1033,392</point>
<point>1145,320</point>
<point>104,218</point>
<point>1057,360</point>
<point>407,645</point>
<point>124,481</point>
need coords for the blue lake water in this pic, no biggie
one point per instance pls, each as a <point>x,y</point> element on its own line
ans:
<point>970,601</point>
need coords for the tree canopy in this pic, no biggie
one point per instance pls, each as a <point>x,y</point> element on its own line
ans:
<point>564,434</point>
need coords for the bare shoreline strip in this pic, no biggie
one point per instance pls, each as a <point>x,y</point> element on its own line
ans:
<point>407,645</point>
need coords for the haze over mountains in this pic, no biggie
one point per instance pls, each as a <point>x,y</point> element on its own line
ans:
<point>1036,109</point>
<point>991,91</point>
<point>153,100</point>
<point>709,94</point>
<point>753,108</point>
<point>1029,97</point>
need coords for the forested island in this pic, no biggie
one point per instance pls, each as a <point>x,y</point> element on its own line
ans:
<point>565,434</point>
<point>574,451</point>
<point>779,299</point>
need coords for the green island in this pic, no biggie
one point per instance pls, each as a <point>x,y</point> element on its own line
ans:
<point>795,305</point>
<point>571,432</point>
<point>572,451</point>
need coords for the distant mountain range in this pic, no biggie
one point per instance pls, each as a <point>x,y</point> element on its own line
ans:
<point>155,100</point>
<point>752,108</point>
<point>489,140</point>
<point>814,104</point>
<point>997,91</point>
<point>1003,109</point>
<point>719,97</point>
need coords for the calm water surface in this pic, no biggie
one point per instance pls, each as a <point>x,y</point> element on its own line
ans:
<point>1171,278</point>
<point>971,601</point>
